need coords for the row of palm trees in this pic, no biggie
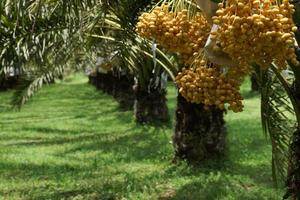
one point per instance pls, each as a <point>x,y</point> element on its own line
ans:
<point>45,38</point>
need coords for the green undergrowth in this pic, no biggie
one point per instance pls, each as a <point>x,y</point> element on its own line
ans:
<point>73,142</point>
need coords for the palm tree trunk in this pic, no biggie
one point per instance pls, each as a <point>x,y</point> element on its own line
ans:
<point>92,79</point>
<point>293,177</point>
<point>119,86</point>
<point>199,134</point>
<point>8,82</point>
<point>150,107</point>
<point>98,81</point>
<point>104,82</point>
<point>123,91</point>
<point>254,82</point>
<point>294,168</point>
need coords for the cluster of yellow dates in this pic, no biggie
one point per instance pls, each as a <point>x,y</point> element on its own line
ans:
<point>256,31</point>
<point>249,31</point>
<point>176,32</point>
<point>205,84</point>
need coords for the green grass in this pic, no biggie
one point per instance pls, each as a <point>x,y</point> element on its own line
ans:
<point>73,142</point>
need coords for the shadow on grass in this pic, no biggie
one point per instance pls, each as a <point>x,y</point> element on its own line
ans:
<point>218,188</point>
<point>142,144</point>
<point>136,145</point>
<point>58,140</point>
<point>5,108</point>
<point>84,183</point>
<point>29,170</point>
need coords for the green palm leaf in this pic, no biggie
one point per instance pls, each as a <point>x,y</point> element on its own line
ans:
<point>278,118</point>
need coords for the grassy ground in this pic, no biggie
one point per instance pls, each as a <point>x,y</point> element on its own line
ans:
<point>72,142</point>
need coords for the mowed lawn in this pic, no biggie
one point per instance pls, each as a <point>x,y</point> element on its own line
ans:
<point>73,142</point>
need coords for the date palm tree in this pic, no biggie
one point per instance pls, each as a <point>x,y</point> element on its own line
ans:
<point>280,110</point>
<point>199,133</point>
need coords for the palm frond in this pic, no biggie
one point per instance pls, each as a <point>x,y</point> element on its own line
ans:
<point>31,84</point>
<point>278,119</point>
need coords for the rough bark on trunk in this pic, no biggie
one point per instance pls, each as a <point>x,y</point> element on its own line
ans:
<point>150,107</point>
<point>199,134</point>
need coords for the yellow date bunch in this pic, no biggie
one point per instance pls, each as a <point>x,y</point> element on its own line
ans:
<point>205,84</point>
<point>175,31</point>
<point>256,31</point>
